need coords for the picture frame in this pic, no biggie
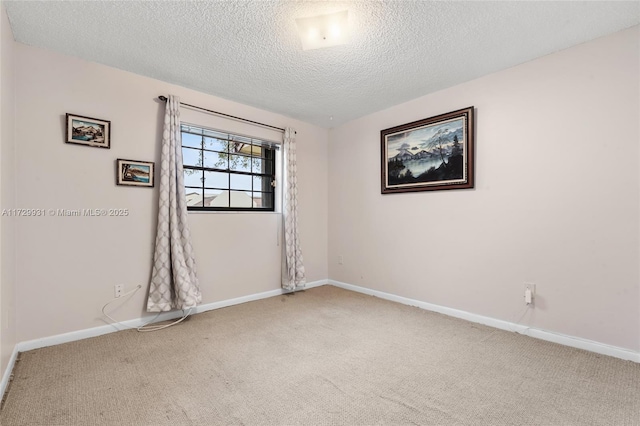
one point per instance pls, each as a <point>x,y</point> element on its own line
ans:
<point>135,173</point>
<point>435,153</point>
<point>88,131</point>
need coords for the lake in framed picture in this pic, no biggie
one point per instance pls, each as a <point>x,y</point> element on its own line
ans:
<point>431,154</point>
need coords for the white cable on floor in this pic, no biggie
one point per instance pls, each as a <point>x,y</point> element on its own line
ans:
<point>147,327</point>
<point>527,327</point>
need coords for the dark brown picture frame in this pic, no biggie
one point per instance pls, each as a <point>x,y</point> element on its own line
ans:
<point>432,154</point>
<point>81,130</point>
<point>135,173</point>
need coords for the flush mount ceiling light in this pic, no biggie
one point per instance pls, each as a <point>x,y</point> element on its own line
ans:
<point>323,30</point>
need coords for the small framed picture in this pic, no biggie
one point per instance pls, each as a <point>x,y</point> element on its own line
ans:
<point>134,173</point>
<point>88,131</point>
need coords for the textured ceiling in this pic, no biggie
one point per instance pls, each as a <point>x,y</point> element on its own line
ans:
<point>249,51</point>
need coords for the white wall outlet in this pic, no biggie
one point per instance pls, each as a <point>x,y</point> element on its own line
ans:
<point>529,293</point>
<point>118,289</point>
<point>340,260</point>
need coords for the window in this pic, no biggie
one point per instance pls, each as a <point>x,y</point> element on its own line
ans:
<point>227,172</point>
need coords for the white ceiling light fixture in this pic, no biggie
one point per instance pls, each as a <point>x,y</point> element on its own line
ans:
<point>323,30</point>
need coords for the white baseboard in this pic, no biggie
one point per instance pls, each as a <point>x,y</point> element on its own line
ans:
<point>7,372</point>
<point>571,341</point>
<point>252,297</point>
<point>574,342</point>
<point>134,323</point>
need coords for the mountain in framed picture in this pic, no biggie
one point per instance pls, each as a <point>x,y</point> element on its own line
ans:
<point>431,154</point>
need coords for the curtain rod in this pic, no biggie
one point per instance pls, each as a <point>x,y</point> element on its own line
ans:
<point>164,98</point>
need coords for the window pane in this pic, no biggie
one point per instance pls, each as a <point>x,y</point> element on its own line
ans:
<point>192,177</point>
<point>215,144</point>
<point>192,140</point>
<point>241,199</point>
<point>268,151</point>
<point>261,183</point>
<point>256,165</point>
<point>215,198</point>
<point>255,150</point>
<point>194,197</point>
<point>242,182</point>
<point>263,199</point>
<point>240,163</point>
<point>216,160</point>
<point>216,180</point>
<point>239,141</point>
<point>219,198</point>
<point>191,157</point>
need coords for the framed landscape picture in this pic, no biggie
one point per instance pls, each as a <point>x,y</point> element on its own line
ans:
<point>88,131</point>
<point>431,154</point>
<point>134,173</point>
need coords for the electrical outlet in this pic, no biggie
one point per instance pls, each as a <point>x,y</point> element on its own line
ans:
<point>340,260</point>
<point>118,289</point>
<point>529,293</point>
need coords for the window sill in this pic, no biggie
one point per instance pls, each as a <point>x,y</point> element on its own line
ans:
<point>229,212</point>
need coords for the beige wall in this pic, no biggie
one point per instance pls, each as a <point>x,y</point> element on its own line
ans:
<point>67,266</point>
<point>555,203</point>
<point>7,193</point>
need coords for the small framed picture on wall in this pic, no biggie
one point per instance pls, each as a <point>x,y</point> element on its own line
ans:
<point>134,173</point>
<point>88,131</point>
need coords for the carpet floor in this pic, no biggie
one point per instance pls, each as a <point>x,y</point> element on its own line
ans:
<point>325,356</point>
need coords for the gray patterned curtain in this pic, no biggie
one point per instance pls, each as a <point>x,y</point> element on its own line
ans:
<point>293,274</point>
<point>174,284</point>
